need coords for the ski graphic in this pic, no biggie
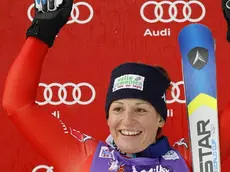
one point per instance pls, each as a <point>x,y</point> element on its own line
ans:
<point>199,74</point>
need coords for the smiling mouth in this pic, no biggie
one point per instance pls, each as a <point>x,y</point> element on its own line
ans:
<point>130,133</point>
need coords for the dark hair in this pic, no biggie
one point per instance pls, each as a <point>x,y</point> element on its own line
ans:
<point>159,133</point>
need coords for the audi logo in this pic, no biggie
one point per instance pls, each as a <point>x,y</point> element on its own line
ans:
<point>172,11</point>
<point>47,168</point>
<point>75,13</point>
<point>175,93</point>
<point>62,93</point>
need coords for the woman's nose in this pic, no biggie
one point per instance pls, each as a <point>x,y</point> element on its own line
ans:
<point>128,118</point>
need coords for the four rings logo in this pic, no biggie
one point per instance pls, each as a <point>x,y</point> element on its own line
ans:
<point>62,93</point>
<point>172,11</point>
<point>75,13</point>
<point>174,95</point>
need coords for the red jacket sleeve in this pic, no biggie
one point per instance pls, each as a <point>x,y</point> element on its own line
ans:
<point>42,130</point>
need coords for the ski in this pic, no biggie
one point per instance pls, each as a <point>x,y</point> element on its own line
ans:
<point>197,48</point>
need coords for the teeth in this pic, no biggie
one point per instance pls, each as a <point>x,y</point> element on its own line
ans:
<point>130,133</point>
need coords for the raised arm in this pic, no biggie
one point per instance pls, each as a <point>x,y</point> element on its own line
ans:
<point>46,133</point>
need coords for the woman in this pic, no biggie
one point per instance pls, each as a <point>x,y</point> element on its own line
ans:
<point>135,110</point>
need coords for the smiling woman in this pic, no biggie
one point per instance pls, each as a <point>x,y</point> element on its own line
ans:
<point>133,124</point>
<point>135,110</point>
<point>136,114</point>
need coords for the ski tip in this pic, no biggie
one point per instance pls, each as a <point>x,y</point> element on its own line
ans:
<point>195,35</point>
<point>194,27</point>
<point>194,30</point>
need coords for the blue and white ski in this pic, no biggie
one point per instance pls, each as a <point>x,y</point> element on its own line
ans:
<point>199,74</point>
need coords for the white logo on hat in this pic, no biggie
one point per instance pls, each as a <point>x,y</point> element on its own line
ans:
<point>130,81</point>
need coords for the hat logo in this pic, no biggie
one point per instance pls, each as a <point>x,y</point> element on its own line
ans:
<point>129,81</point>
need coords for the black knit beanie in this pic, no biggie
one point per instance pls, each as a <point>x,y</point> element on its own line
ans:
<point>141,81</point>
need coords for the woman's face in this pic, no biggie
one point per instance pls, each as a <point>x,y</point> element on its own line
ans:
<point>133,124</point>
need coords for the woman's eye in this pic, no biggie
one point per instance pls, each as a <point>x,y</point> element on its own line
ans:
<point>117,109</point>
<point>140,110</point>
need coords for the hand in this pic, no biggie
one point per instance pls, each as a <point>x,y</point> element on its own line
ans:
<point>226,12</point>
<point>50,17</point>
